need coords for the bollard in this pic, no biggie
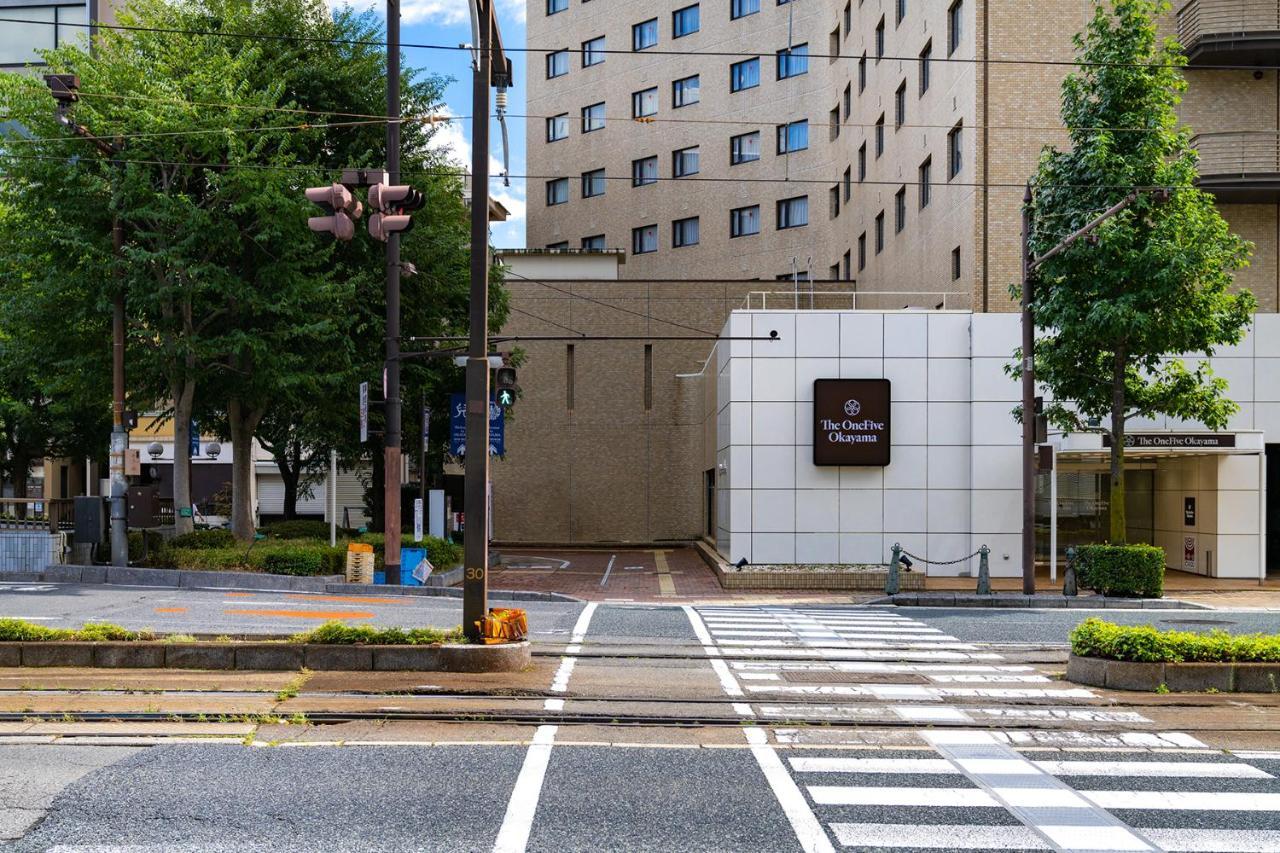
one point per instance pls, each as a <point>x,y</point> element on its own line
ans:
<point>1069,586</point>
<point>984,571</point>
<point>891,582</point>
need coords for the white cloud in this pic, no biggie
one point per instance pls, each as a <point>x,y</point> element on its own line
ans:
<point>441,12</point>
<point>517,9</point>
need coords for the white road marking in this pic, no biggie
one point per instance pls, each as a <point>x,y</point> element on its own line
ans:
<point>1215,840</point>
<point>608,569</point>
<point>1109,838</point>
<point>513,837</point>
<point>1190,800</point>
<point>858,795</point>
<point>809,832</point>
<point>948,836</point>
<point>727,682</point>
<point>560,683</point>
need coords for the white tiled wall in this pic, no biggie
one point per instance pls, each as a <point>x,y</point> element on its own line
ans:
<point>954,482</point>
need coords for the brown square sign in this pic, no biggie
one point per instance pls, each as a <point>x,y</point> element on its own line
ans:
<point>851,422</point>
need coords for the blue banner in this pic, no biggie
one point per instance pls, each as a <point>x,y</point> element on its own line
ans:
<point>194,441</point>
<point>458,427</point>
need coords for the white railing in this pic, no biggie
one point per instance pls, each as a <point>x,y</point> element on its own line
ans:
<point>854,300</point>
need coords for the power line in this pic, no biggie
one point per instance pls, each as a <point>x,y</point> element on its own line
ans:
<point>584,297</point>
<point>201,132</point>
<point>739,54</point>
<point>531,315</point>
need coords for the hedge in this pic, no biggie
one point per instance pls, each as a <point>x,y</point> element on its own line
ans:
<point>204,539</point>
<point>1095,638</point>
<point>303,528</point>
<point>1122,570</point>
<point>442,554</point>
<point>334,633</point>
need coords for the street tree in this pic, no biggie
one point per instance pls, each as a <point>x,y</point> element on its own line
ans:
<point>1114,313</point>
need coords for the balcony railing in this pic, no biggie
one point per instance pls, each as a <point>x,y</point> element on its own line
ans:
<point>1225,31</point>
<point>1240,166</point>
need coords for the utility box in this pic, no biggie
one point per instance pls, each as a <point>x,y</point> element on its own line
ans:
<point>91,516</point>
<point>144,506</point>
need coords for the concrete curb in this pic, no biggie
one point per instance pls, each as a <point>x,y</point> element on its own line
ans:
<point>1176,677</point>
<point>731,579</point>
<point>1090,602</point>
<point>268,657</point>
<point>179,579</point>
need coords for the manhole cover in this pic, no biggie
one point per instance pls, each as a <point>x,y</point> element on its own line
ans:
<point>809,677</point>
<point>1210,622</point>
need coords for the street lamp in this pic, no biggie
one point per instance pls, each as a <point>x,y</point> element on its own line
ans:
<point>65,91</point>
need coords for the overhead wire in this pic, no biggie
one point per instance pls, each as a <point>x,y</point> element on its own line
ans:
<point>585,298</point>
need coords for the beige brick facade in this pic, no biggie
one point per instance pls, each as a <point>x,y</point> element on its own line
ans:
<point>1006,111</point>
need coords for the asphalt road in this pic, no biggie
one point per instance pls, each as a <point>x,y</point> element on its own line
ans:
<point>996,625</point>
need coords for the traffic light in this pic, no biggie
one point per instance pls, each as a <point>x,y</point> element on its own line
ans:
<point>504,383</point>
<point>342,209</point>
<point>394,204</point>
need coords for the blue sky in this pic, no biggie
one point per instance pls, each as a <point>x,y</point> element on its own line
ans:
<point>448,22</point>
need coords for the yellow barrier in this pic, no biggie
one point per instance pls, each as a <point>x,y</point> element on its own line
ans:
<point>504,625</point>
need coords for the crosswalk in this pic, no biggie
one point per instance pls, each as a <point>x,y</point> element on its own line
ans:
<point>964,750</point>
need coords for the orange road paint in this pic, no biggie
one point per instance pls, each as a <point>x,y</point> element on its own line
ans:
<point>171,610</point>
<point>353,599</point>
<point>303,614</point>
<point>245,594</point>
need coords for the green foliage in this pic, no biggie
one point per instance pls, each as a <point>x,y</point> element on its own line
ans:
<point>1158,280</point>
<point>203,539</point>
<point>336,633</point>
<point>1124,570</point>
<point>1145,644</point>
<point>443,554</point>
<point>18,630</point>
<point>148,547</point>
<point>297,560</point>
<point>281,557</point>
<point>302,528</point>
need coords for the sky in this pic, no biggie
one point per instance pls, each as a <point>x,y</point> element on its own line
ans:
<point>447,22</point>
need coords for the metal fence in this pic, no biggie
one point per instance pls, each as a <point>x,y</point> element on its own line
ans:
<point>53,514</point>
<point>30,550</point>
<point>878,300</point>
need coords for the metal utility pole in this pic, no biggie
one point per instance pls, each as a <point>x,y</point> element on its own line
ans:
<point>391,459</point>
<point>1029,267</point>
<point>491,68</point>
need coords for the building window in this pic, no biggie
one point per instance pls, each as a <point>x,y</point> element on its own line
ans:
<point>685,91</point>
<point>558,247</point>
<point>848,184</point>
<point>793,136</point>
<point>644,239</point>
<point>879,136</point>
<point>954,30</point>
<point>594,243</point>
<point>925,56</point>
<point>925,181</point>
<point>900,105</point>
<point>593,117</point>
<point>742,8</point>
<point>846,266</point>
<point>955,264</point>
<point>684,162</point>
<point>644,103</point>
<point>744,221</point>
<point>744,148</point>
<point>558,127</point>
<point>684,232</point>
<point>833,46</point>
<point>593,52</point>
<point>834,124</point>
<point>644,171</point>
<point>900,210</point>
<point>833,274</point>
<point>644,34</point>
<point>793,212</point>
<point>744,75</point>
<point>848,18</point>
<point>846,103</point>
<point>880,40</point>
<point>862,162</point>
<point>557,64</point>
<point>554,6</point>
<point>862,73</point>
<point>900,12</point>
<point>879,232</point>
<point>833,206</point>
<point>685,21</point>
<point>593,183</point>
<point>793,61</point>
<point>955,153</point>
<point>557,191</point>
<point>862,251</point>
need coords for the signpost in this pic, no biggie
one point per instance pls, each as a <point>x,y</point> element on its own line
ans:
<point>364,412</point>
<point>851,424</point>
<point>417,519</point>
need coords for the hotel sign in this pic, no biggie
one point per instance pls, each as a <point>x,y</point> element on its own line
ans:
<point>1175,440</point>
<point>851,422</point>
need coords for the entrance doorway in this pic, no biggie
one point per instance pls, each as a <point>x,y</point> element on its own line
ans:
<point>1084,505</point>
<point>709,502</point>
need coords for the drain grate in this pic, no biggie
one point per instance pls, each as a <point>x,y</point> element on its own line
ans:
<point>810,677</point>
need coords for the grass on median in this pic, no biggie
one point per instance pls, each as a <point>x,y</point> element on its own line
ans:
<point>1096,638</point>
<point>330,633</point>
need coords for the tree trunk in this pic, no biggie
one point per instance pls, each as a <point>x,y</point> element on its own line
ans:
<point>184,393</point>
<point>375,497</point>
<point>243,421</point>
<point>21,476</point>
<point>289,461</point>
<point>1119,522</point>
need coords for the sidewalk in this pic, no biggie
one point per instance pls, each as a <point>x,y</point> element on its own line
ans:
<point>1218,593</point>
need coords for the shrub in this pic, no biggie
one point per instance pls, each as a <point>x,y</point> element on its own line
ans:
<point>148,547</point>
<point>204,539</point>
<point>1123,570</point>
<point>1145,644</point>
<point>295,560</point>
<point>336,633</point>
<point>442,553</point>
<point>17,630</point>
<point>302,528</point>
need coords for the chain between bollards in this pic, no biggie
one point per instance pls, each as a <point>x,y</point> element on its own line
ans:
<point>984,571</point>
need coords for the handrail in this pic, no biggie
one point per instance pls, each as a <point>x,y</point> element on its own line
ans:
<point>34,513</point>
<point>1238,152</point>
<point>854,300</point>
<point>1200,19</point>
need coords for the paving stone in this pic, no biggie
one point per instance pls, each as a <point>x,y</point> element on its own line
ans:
<point>57,654</point>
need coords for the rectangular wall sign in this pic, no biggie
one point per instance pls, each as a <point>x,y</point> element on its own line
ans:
<point>851,422</point>
<point>1175,440</point>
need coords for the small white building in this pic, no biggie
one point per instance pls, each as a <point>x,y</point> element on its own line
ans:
<point>948,479</point>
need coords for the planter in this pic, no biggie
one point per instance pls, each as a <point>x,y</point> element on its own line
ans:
<point>871,580</point>
<point>1176,677</point>
<point>505,657</point>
